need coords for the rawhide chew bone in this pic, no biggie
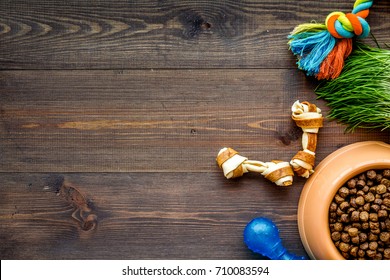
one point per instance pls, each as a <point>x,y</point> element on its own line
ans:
<point>308,117</point>
<point>235,165</point>
<point>262,236</point>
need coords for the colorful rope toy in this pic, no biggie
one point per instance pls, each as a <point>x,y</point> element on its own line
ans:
<point>323,48</point>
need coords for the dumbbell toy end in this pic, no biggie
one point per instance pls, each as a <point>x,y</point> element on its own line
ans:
<point>262,236</point>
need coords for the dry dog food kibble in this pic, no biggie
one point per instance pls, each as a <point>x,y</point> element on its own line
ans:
<point>359,216</point>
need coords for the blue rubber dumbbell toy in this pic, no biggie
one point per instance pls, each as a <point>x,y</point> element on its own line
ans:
<point>262,236</point>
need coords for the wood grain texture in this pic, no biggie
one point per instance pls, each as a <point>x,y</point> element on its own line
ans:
<point>116,110</point>
<point>41,34</point>
<point>153,121</point>
<point>140,216</point>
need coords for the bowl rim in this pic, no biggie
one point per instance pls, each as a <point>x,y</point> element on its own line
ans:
<point>351,160</point>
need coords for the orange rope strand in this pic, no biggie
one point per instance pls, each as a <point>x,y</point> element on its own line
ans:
<point>333,64</point>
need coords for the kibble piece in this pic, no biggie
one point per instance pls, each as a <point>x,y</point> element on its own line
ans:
<point>353,232</point>
<point>371,174</point>
<point>372,236</point>
<point>347,227</point>
<point>361,253</point>
<point>354,251</point>
<point>364,216</point>
<point>338,199</point>
<point>344,205</point>
<point>338,226</point>
<point>384,236</point>
<point>360,200</point>
<point>376,231</point>
<point>385,182</point>
<point>378,200</point>
<point>374,225</point>
<point>386,253</point>
<point>336,236</point>
<point>379,178</point>
<point>365,225</point>
<point>357,225</point>
<point>345,237</point>
<point>339,212</point>
<point>375,207</point>
<point>333,207</point>
<point>344,218</point>
<point>381,189</point>
<point>343,192</point>
<point>364,246</point>
<point>361,183</point>
<point>360,193</point>
<point>369,197</point>
<point>362,237</point>
<point>386,173</point>
<point>371,253</point>
<point>355,240</point>
<point>373,217</point>
<point>352,202</point>
<point>352,183</point>
<point>344,247</point>
<point>373,245</point>
<point>382,214</point>
<point>386,202</point>
<point>378,256</point>
<point>355,216</point>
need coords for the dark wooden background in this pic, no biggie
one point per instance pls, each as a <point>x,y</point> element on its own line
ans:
<point>130,102</point>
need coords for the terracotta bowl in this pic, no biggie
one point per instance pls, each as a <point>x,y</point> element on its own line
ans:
<point>320,189</point>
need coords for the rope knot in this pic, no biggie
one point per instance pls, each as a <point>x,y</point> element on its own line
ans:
<point>352,24</point>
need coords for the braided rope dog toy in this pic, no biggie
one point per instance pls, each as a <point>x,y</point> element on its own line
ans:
<point>307,116</point>
<point>323,48</point>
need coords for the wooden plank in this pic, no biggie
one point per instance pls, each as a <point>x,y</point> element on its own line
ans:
<point>140,216</point>
<point>125,34</point>
<point>147,121</point>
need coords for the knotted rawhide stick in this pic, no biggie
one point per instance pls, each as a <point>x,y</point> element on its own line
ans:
<point>235,165</point>
<point>322,48</point>
<point>308,117</point>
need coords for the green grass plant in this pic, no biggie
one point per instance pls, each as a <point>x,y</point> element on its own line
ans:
<point>360,96</point>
